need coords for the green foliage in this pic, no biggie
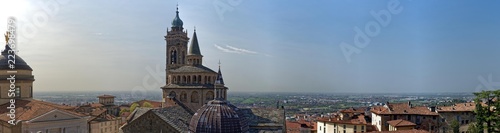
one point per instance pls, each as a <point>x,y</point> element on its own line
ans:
<point>455,126</point>
<point>133,106</point>
<point>487,114</point>
<point>147,104</point>
<point>123,111</point>
<point>473,128</point>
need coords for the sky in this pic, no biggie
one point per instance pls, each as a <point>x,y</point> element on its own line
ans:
<point>360,46</point>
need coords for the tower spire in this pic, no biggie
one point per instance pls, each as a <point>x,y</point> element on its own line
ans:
<point>219,85</point>
<point>194,48</point>
<point>177,22</point>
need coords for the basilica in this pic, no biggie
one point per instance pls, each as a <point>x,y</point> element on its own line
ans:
<point>195,96</point>
<point>187,79</point>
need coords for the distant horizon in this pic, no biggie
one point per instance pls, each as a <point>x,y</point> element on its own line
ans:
<point>409,93</point>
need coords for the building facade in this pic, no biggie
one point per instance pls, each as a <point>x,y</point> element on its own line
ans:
<point>425,118</point>
<point>343,123</point>
<point>186,78</point>
<point>463,113</point>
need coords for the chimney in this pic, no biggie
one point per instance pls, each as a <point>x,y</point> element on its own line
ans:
<point>432,108</point>
<point>409,104</point>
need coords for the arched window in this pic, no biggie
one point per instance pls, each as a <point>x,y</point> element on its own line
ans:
<point>209,95</point>
<point>173,55</point>
<point>179,78</point>
<point>205,80</point>
<point>174,80</point>
<point>194,79</point>
<point>183,96</point>
<point>209,80</point>
<point>194,97</point>
<point>188,79</point>
<point>184,80</point>
<point>199,78</point>
<point>172,94</point>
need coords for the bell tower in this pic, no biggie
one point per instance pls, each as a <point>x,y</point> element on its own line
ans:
<point>176,41</point>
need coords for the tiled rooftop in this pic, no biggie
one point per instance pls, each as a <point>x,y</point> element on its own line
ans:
<point>354,120</point>
<point>459,107</point>
<point>402,108</point>
<point>400,123</point>
<point>29,109</point>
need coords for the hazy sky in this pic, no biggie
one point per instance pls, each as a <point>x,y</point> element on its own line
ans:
<point>264,46</point>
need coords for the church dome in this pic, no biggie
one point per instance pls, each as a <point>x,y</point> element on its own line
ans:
<point>177,22</point>
<point>218,116</point>
<point>20,64</point>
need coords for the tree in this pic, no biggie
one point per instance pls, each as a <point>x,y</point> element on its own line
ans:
<point>147,104</point>
<point>455,126</point>
<point>473,128</point>
<point>133,106</point>
<point>123,111</point>
<point>487,103</point>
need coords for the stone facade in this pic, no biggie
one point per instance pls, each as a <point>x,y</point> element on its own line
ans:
<point>463,113</point>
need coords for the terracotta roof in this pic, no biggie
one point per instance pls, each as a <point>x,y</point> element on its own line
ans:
<point>402,108</point>
<point>459,107</point>
<point>400,123</point>
<point>293,127</point>
<point>29,109</point>
<point>354,110</point>
<point>95,105</point>
<point>354,120</point>
<point>298,126</point>
<point>106,96</point>
<point>402,131</point>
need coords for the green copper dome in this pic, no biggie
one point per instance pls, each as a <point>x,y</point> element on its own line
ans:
<point>177,22</point>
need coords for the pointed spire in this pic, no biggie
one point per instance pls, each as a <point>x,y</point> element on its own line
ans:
<point>219,85</point>
<point>194,48</point>
<point>219,79</point>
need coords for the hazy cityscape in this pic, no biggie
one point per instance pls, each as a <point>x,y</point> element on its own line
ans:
<point>235,66</point>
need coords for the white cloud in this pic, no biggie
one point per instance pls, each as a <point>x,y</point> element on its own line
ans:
<point>226,50</point>
<point>241,50</point>
<point>232,49</point>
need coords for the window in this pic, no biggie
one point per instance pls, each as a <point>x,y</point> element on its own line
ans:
<point>362,127</point>
<point>409,117</point>
<point>432,127</point>
<point>466,121</point>
<point>434,117</point>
